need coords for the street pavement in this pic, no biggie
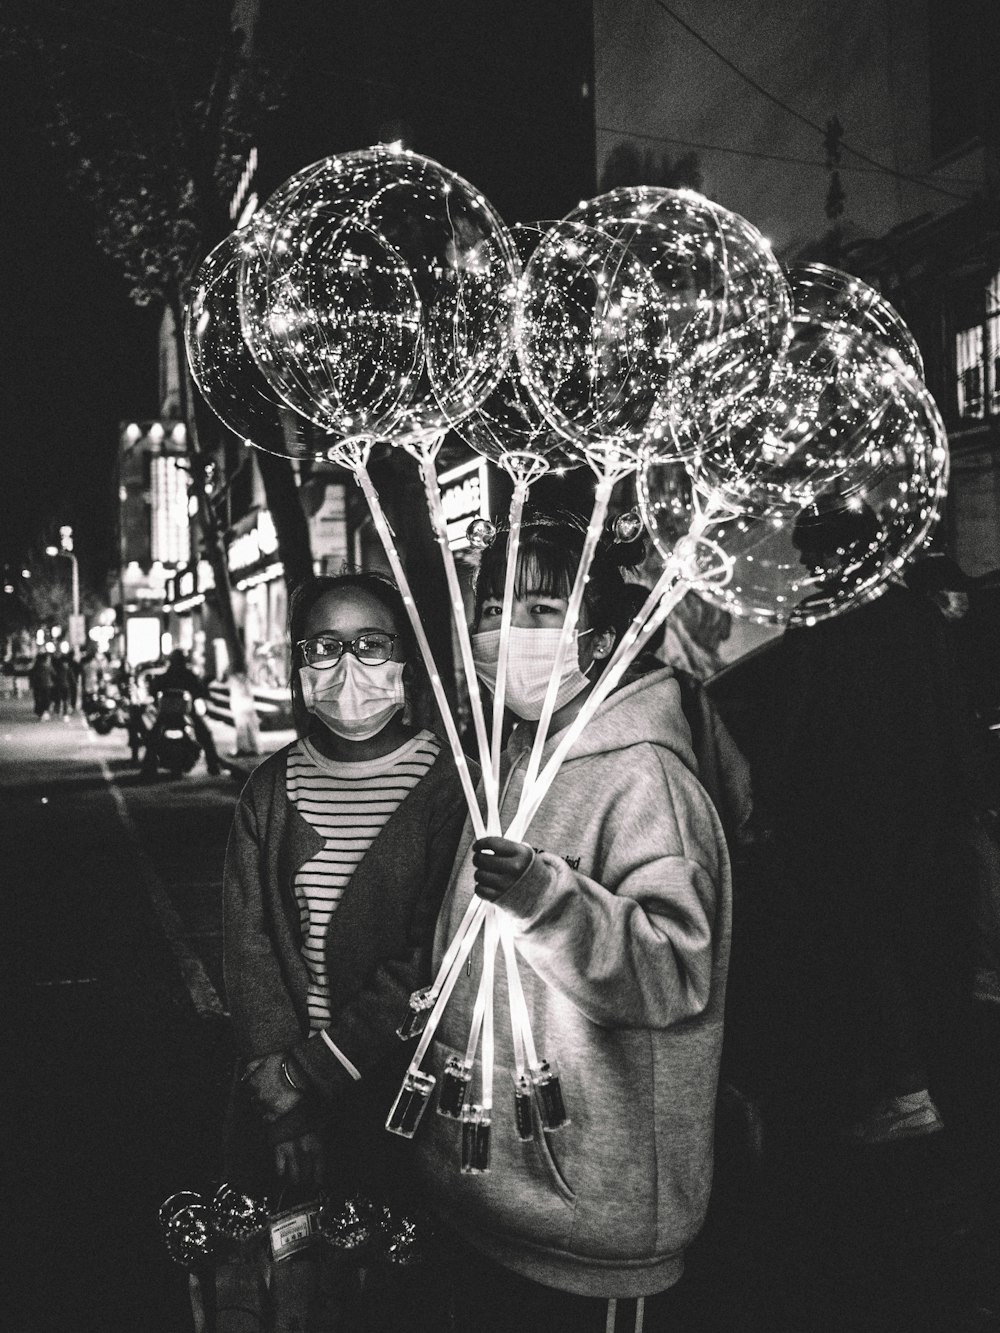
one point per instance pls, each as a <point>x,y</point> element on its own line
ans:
<point>121,1048</point>
<point>122,1055</point>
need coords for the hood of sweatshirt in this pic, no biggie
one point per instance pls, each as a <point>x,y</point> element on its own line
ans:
<point>645,711</point>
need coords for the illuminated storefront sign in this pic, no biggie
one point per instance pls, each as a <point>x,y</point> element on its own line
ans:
<point>465,495</point>
<point>257,546</point>
<point>169,535</point>
<point>188,588</point>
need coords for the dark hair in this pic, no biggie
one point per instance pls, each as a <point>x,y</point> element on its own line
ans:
<point>549,551</point>
<point>936,572</point>
<point>306,594</point>
<point>832,525</point>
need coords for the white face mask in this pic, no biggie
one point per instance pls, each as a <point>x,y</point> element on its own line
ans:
<point>354,699</point>
<point>530,660</point>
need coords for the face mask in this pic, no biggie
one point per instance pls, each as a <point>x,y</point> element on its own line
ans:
<point>354,699</point>
<point>530,661</point>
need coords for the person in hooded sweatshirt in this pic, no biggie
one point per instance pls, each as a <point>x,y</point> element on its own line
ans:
<point>619,902</point>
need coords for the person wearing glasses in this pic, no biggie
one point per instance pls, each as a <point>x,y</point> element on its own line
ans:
<point>340,850</point>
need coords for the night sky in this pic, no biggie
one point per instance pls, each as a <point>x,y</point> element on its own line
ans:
<point>77,356</point>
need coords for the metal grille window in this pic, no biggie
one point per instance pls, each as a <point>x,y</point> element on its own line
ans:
<point>969,371</point>
<point>992,348</point>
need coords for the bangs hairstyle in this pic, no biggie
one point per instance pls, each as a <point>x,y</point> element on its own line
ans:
<point>548,557</point>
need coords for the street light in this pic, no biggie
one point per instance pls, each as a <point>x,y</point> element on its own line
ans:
<point>66,549</point>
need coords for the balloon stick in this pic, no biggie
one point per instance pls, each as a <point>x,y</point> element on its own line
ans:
<point>448,973</point>
<point>490,940</point>
<point>567,640</point>
<point>506,613</point>
<point>358,465</point>
<point>439,523</point>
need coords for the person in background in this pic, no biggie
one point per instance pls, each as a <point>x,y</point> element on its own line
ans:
<point>722,767</point>
<point>693,636</point>
<point>619,900</point>
<point>340,850</point>
<point>42,677</point>
<point>179,676</point>
<point>91,677</point>
<point>64,688</point>
<point>946,585</point>
<point>870,917</point>
<point>126,680</point>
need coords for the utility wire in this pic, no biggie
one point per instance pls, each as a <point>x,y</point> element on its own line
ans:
<point>874,166</point>
<point>745,152</point>
<point>798,115</point>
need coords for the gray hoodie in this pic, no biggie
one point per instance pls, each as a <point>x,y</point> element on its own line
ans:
<point>622,925</point>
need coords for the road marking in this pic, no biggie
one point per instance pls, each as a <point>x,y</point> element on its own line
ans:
<point>203,993</point>
<point>69,981</point>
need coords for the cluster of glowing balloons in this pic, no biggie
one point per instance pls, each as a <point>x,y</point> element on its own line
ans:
<point>816,478</point>
<point>779,414</point>
<point>788,457</point>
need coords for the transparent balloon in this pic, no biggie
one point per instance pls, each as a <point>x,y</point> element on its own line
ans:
<point>616,299</point>
<point>832,296</point>
<point>508,427</point>
<point>376,294</point>
<point>828,419</point>
<point>829,527</point>
<point>225,371</point>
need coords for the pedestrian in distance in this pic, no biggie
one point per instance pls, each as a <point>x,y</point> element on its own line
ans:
<point>91,677</point>
<point>64,687</point>
<point>339,853</point>
<point>131,688</point>
<point>869,779</point>
<point>619,900</point>
<point>42,677</point>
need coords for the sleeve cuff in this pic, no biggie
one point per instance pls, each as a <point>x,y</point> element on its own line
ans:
<point>301,1119</point>
<point>523,899</point>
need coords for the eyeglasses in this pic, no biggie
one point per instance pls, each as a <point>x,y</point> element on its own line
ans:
<point>324,650</point>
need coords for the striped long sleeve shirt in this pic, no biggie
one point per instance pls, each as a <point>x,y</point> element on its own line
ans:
<point>348,804</point>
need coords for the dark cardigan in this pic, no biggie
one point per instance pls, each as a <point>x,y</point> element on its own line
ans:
<point>378,946</point>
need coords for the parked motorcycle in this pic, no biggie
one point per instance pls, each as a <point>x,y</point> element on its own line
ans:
<point>172,743</point>
<point>106,709</point>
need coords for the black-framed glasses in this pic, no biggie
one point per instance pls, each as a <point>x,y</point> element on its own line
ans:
<point>324,650</point>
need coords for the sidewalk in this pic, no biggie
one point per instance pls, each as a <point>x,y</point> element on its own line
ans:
<point>242,765</point>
